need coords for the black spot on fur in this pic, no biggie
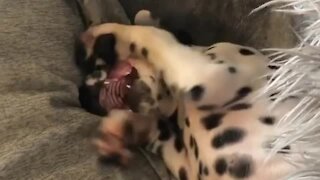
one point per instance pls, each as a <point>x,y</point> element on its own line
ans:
<point>221,166</point>
<point>168,93</point>
<point>207,107</point>
<point>241,93</point>
<point>212,121</point>
<point>132,47</point>
<point>191,142</point>
<point>246,52</point>
<point>187,122</point>
<point>244,91</point>
<point>183,174</point>
<point>229,136</point>
<point>232,70</point>
<point>206,171</point>
<point>159,97</point>
<point>161,79</point>
<point>211,47</point>
<point>273,67</point>
<point>144,52</point>
<point>164,129</point>
<point>268,120</point>
<point>273,96</point>
<point>218,141</point>
<point>197,92</point>
<point>163,84</point>
<point>196,149</point>
<point>285,150</point>
<point>241,168</point>
<point>241,106</point>
<point>173,122</point>
<point>272,78</point>
<point>212,56</point>
<point>178,143</point>
<point>200,168</point>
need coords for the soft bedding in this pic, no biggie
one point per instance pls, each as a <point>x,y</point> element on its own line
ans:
<point>44,133</point>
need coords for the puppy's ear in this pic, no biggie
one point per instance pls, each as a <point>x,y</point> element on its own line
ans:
<point>104,48</point>
<point>80,56</point>
<point>87,39</point>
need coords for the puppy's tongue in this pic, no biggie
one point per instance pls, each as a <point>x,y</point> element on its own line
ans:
<point>116,86</point>
<point>120,70</point>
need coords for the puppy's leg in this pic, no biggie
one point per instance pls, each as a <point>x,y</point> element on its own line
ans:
<point>121,130</point>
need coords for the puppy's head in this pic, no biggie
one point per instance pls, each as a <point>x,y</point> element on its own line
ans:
<point>100,55</point>
<point>99,51</point>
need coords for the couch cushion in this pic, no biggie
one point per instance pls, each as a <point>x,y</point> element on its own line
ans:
<point>209,21</point>
<point>44,134</point>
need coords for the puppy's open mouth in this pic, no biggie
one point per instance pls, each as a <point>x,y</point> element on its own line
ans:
<point>117,85</point>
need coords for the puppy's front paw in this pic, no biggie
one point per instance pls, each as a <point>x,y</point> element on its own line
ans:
<point>112,150</point>
<point>120,131</point>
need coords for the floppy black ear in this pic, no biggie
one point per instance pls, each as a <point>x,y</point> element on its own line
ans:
<point>85,64</point>
<point>104,48</point>
<point>79,53</point>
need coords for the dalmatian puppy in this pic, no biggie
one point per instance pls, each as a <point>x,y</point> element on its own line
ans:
<point>146,94</point>
<point>147,97</point>
<point>225,130</point>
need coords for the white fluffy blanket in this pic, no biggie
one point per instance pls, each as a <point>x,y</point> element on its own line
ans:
<point>299,76</point>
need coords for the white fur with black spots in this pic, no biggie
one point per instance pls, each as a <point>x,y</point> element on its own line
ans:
<point>227,130</point>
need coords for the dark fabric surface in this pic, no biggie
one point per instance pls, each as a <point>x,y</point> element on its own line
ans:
<point>209,21</point>
<point>44,134</point>
<point>100,11</point>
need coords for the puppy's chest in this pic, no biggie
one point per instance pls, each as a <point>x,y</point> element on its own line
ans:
<point>228,143</point>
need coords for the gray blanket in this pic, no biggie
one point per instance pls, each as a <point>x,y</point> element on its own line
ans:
<point>44,134</point>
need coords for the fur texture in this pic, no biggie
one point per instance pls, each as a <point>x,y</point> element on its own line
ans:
<point>225,134</point>
<point>299,77</point>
